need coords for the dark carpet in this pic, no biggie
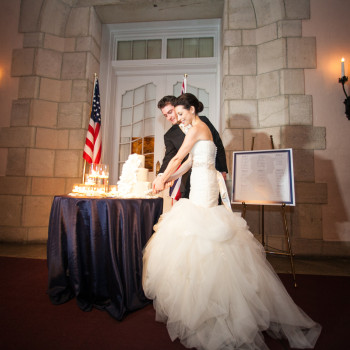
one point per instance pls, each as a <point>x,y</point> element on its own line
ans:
<point>28,320</point>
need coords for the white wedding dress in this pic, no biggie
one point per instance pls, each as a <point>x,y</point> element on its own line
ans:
<point>208,276</point>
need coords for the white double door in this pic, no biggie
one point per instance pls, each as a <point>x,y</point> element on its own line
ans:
<point>164,84</point>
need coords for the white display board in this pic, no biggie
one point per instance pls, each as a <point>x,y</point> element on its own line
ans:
<point>263,177</point>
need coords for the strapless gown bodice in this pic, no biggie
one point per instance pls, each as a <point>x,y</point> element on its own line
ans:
<point>204,185</point>
<point>204,154</point>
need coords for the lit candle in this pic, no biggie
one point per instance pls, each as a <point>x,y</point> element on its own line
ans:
<point>342,67</point>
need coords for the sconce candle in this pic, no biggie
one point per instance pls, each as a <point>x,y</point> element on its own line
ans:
<point>342,81</point>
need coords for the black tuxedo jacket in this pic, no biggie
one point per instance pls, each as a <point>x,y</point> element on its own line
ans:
<point>173,139</point>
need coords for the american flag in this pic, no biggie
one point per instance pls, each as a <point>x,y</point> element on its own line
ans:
<point>93,144</point>
<point>174,190</point>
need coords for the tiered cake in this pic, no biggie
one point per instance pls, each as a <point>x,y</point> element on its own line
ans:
<point>133,182</point>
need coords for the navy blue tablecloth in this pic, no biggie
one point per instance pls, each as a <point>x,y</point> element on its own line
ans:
<point>94,251</point>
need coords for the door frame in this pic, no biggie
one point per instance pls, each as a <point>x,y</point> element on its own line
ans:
<point>111,69</point>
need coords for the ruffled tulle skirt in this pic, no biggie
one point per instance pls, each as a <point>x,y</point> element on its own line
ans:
<point>212,285</point>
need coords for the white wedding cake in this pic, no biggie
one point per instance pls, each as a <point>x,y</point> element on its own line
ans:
<point>133,181</point>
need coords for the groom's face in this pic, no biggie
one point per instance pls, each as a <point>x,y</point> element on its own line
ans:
<point>169,113</point>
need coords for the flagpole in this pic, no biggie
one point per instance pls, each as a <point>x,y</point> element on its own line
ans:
<point>84,167</point>
<point>92,96</point>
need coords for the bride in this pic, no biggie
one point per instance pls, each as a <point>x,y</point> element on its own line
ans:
<point>207,275</point>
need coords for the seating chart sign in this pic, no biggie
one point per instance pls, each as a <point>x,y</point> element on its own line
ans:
<point>263,177</point>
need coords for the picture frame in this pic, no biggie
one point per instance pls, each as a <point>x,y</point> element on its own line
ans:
<point>263,177</point>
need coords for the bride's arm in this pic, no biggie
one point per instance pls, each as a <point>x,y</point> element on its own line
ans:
<point>184,168</point>
<point>190,139</point>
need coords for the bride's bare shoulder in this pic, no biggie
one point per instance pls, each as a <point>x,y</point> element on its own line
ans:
<point>204,130</point>
<point>199,131</point>
<point>195,133</point>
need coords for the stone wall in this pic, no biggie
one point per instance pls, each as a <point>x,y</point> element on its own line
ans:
<point>55,67</point>
<point>264,60</point>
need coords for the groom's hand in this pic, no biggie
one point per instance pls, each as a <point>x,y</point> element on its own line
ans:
<point>168,184</point>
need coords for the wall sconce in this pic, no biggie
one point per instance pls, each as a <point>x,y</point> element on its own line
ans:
<point>343,80</point>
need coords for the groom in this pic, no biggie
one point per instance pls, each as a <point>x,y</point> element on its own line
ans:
<point>174,137</point>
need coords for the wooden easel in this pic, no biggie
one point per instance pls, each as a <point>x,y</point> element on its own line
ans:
<point>285,226</point>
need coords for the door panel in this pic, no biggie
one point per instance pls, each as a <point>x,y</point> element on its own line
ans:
<point>155,127</point>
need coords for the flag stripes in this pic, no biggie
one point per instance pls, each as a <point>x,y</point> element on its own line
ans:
<point>93,141</point>
<point>174,191</point>
<point>184,85</point>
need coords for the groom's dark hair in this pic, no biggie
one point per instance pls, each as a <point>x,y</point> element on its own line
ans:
<point>166,100</point>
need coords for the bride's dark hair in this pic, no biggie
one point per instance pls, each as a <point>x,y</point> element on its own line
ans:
<point>187,100</point>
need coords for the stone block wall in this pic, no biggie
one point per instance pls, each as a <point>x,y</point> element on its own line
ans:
<point>264,59</point>
<point>55,67</point>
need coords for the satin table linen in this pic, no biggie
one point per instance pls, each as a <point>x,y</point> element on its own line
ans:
<point>94,251</point>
